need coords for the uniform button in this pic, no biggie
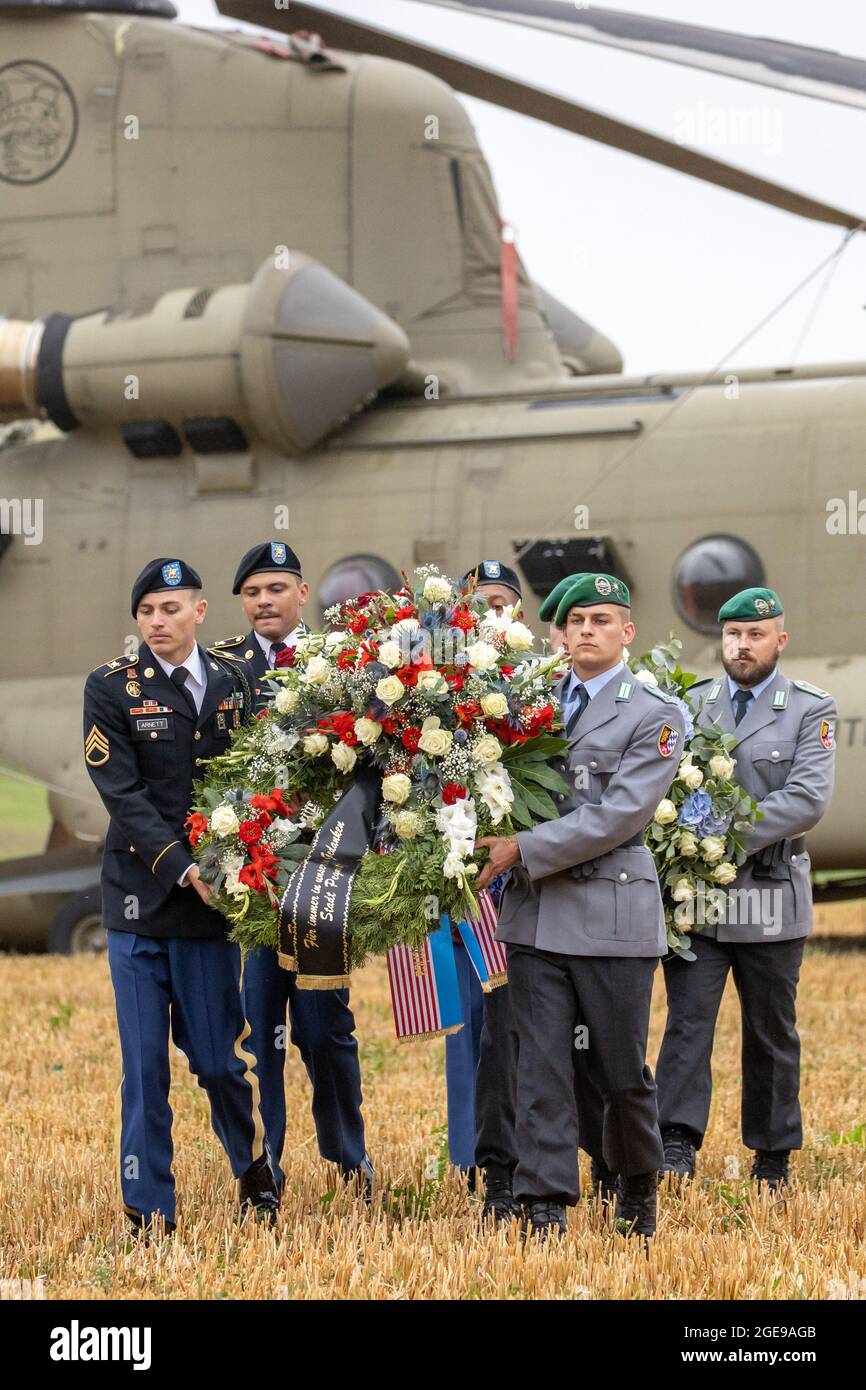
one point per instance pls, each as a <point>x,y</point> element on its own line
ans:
<point>793,858</point>
<point>132,849</point>
<point>153,733</point>
<point>197,734</point>
<point>593,764</point>
<point>623,876</point>
<point>198,762</point>
<point>775,753</point>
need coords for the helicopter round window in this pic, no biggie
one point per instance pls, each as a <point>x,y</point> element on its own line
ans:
<point>708,573</point>
<point>354,575</point>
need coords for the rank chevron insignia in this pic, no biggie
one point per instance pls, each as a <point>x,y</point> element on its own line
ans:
<point>96,749</point>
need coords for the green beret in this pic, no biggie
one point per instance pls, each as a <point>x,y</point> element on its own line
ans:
<point>589,590</point>
<point>750,605</point>
<point>551,603</point>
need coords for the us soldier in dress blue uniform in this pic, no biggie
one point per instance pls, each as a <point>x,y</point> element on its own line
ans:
<point>273,592</point>
<point>148,721</point>
<point>582,916</point>
<point>784,753</point>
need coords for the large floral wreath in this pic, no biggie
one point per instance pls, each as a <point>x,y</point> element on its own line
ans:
<point>433,694</point>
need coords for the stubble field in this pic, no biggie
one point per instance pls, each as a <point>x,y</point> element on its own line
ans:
<point>421,1238</point>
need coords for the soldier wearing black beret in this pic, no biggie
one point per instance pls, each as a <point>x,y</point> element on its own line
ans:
<point>273,593</point>
<point>149,720</point>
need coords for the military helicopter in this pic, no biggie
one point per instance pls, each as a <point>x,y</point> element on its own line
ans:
<point>257,287</point>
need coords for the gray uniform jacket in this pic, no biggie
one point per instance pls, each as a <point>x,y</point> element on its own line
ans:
<point>785,754</point>
<point>587,885</point>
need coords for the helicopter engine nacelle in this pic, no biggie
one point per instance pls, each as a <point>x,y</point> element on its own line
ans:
<point>287,357</point>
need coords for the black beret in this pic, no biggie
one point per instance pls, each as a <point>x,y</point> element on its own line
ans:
<point>272,555</point>
<point>493,572</point>
<point>163,574</point>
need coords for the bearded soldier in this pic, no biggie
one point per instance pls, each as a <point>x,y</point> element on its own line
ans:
<point>784,751</point>
<point>582,916</point>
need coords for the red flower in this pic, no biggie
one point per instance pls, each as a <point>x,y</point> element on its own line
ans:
<point>506,670</point>
<point>408,675</point>
<point>249,832</point>
<point>455,682</point>
<point>198,825</point>
<point>407,610</point>
<point>343,725</point>
<point>357,622</point>
<point>346,659</point>
<point>285,658</point>
<point>278,803</point>
<point>410,738</point>
<point>451,792</point>
<point>469,710</point>
<point>263,864</point>
<point>463,619</point>
<point>389,724</point>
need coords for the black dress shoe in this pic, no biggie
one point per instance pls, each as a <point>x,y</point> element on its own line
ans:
<point>605,1183</point>
<point>258,1191</point>
<point>637,1203</point>
<point>770,1167</point>
<point>363,1175</point>
<point>544,1217</point>
<point>145,1231</point>
<point>500,1204</point>
<point>679,1154</point>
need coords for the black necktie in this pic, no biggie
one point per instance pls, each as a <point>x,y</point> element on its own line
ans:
<point>577,711</point>
<point>276,648</point>
<point>178,677</point>
<point>741,703</point>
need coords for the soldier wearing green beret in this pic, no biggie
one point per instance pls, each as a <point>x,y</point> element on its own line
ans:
<point>784,755</point>
<point>582,916</point>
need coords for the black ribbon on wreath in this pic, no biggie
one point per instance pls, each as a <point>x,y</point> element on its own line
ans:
<point>314,909</point>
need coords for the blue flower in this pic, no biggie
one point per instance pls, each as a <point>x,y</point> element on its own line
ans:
<point>715,825</point>
<point>695,808</point>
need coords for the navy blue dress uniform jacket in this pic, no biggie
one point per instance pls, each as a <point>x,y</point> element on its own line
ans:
<point>143,748</point>
<point>249,649</point>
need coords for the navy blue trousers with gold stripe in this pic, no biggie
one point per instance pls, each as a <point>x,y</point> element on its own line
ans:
<point>191,987</point>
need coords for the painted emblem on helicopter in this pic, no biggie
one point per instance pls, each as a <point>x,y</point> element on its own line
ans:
<point>38,121</point>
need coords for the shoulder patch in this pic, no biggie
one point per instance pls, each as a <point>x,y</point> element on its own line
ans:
<point>119,663</point>
<point>228,642</point>
<point>812,689</point>
<point>658,694</point>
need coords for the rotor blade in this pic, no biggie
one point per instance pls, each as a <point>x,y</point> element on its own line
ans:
<point>809,72</point>
<point>352,35</point>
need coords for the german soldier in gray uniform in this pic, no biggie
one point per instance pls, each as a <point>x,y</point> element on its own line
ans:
<point>784,755</point>
<point>582,916</point>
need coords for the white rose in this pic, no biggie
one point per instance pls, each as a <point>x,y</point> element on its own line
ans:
<point>391,654</point>
<point>666,813</point>
<point>367,731</point>
<point>317,671</point>
<point>396,788</point>
<point>333,638</point>
<point>487,750</point>
<point>693,778</point>
<point>687,845</point>
<point>315,745</point>
<point>286,701</point>
<point>646,677</point>
<point>406,625</point>
<point>431,680</point>
<point>223,821</point>
<point>518,637</point>
<point>437,590</point>
<point>683,891</point>
<point>495,705</point>
<point>712,848</point>
<point>435,740</point>
<point>407,824</point>
<point>389,689</point>
<point>491,621</point>
<point>344,757</point>
<point>721,766</point>
<point>482,656</point>
<point>725,873</point>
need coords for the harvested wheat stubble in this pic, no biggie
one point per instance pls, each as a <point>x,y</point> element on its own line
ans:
<point>719,1239</point>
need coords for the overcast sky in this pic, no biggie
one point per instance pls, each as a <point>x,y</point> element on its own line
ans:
<point>673,270</point>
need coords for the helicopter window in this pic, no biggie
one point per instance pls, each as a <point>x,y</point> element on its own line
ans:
<point>151,439</point>
<point>354,575</point>
<point>708,572</point>
<point>215,434</point>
